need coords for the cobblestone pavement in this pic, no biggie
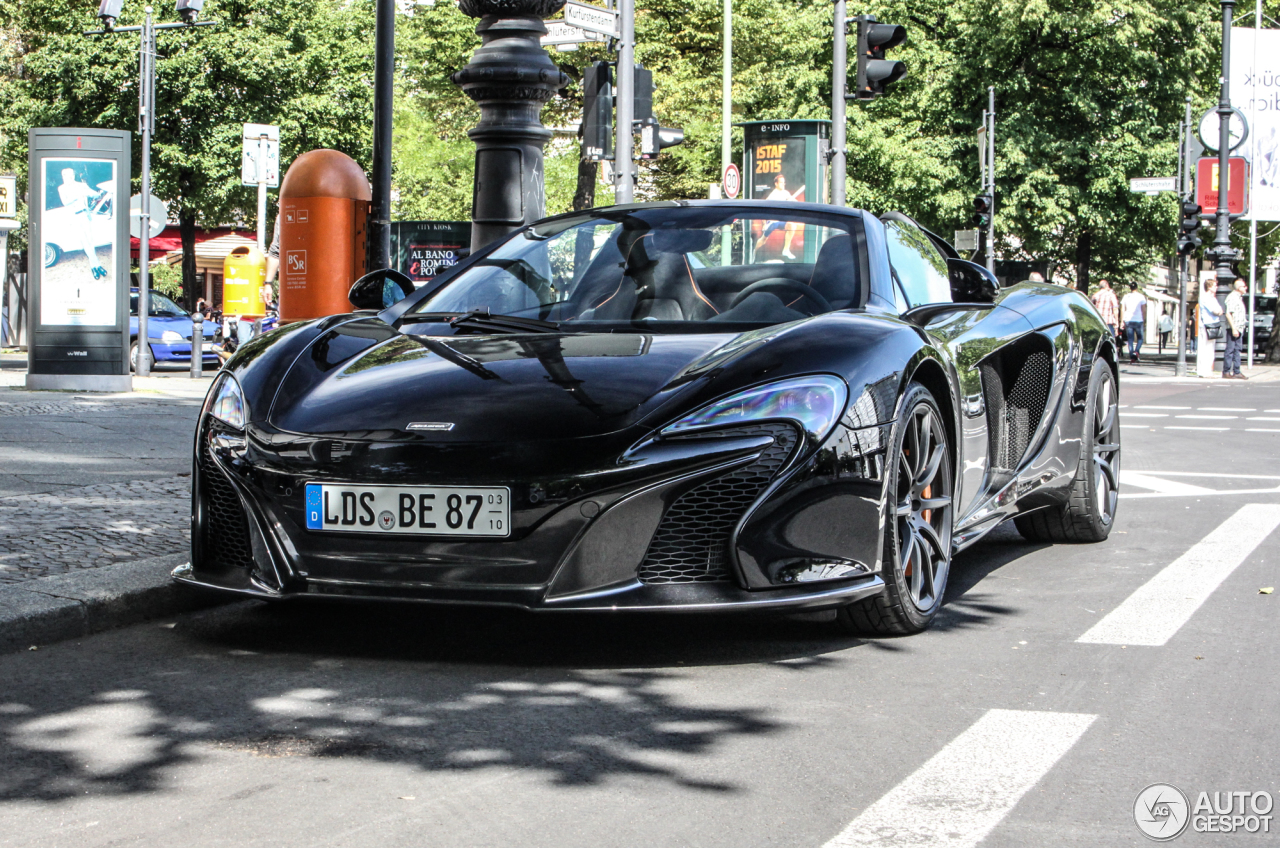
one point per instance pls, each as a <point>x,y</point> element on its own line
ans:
<point>92,526</point>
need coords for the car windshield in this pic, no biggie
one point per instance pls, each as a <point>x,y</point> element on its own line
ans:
<point>161,306</point>
<point>665,268</point>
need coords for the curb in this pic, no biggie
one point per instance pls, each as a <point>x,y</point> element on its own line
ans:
<point>69,606</point>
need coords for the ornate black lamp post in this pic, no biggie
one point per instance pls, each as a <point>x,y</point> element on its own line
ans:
<point>510,77</point>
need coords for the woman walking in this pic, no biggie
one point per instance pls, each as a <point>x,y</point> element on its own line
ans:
<point>1210,315</point>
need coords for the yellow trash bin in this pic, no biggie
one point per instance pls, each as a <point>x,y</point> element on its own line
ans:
<point>243,272</point>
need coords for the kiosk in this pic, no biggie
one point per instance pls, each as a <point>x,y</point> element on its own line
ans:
<point>79,260</point>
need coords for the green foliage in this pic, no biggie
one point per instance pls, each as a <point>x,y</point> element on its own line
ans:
<point>299,64</point>
<point>166,279</point>
<point>1089,94</point>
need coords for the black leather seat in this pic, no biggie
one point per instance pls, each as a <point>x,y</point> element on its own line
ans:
<point>835,274</point>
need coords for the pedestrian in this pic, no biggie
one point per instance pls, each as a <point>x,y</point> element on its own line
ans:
<point>273,268</point>
<point>1165,325</point>
<point>1133,311</point>
<point>1108,306</point>
<point>1209,331</point>
<point>1237,322</point>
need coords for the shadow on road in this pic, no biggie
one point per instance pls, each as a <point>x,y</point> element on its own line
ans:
<point>575,699</point>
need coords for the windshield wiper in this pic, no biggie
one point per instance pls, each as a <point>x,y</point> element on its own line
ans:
<point>482,319</point>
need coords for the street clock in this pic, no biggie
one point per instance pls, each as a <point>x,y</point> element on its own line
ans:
<point>1237,127</point>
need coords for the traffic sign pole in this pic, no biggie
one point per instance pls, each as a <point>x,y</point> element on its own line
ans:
<point>623,153</point>
<point>839,82</point>
<point>146,120</point>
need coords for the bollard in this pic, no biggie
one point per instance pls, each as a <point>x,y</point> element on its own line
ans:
<point>197,345</point>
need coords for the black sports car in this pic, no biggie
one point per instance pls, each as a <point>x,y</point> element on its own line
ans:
<point>668,406</point>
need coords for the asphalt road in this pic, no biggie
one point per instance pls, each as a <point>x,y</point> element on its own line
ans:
<point>1057,684</point>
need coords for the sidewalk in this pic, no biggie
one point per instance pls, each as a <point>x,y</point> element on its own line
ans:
<point>1161,368</point>
<point>94,504</point>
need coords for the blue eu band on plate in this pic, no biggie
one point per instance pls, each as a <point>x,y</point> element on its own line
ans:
<point>420,510</point>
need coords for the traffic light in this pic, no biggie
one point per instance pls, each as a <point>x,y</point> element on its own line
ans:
<point>108,11</point>
<point>1189,228</point>
<point>597,112</point>
<point>189,10</point>
<point>875,72</point>
<point>982,210</point>
<point>654,138</point>
<point>643,109</point>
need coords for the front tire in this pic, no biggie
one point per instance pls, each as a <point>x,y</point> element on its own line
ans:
<point>52,253</point>
<point>1090,511</point>
<point>917,539</point>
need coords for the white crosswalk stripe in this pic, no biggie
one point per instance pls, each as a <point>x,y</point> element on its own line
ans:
<point>1155,612</point>
<point>967,788</point>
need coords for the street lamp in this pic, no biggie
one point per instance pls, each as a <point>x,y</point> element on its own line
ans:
<point>108,12</point>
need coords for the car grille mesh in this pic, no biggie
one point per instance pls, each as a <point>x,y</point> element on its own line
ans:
<point>1016,388</point>
<point>691,544</point>
<point>225,535</point>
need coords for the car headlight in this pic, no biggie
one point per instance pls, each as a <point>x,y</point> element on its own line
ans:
<point>171,336</point>
<point>815,403</point>
<point>226,402</point>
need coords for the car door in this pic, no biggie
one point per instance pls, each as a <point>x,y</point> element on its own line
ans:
<point>969,337</point>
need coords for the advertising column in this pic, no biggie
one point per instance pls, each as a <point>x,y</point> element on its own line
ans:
<point>787,161</point>
<point>79,260</point>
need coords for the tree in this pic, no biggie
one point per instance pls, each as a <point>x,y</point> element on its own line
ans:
<point>305,66</point>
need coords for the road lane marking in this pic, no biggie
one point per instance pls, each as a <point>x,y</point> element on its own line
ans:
<point>967,788</point>
<point>1224,409</point>
<point>1162,407</point>
<point>1145,415</point>
<point>1213,429</point>
<point>1155,612</point>
<point>1259,430</point>
<point>1209,417</point>
<point>1134,427</point>
<point>1156,484</point>
<point>1260,418</point>
<point>1216,475</point>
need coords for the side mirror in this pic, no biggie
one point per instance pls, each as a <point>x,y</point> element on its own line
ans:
<point>970,282</point>
<point>379,289</point>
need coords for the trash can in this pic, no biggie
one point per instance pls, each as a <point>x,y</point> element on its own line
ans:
<point>243,272</point>
<point>324,209</point>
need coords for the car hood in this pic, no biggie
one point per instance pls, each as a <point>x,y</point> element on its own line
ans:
<point>366,380</point>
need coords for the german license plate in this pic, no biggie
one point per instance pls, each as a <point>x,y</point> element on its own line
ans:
<point>416,510</point>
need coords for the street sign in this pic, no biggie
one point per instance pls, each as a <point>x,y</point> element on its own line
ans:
<point>1237,185</point>
<point>966,240</point>
<point>982,153</point>
<point>731,181</point>
<point>1153,185</point>
<point>159,213</point>
<point>268,138</point>
<point>592,19</point>
<point>8,196</point>
<point>559,32</point>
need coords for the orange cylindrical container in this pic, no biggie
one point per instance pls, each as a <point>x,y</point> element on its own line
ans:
<point>324,209</point>
<point>243,272</point>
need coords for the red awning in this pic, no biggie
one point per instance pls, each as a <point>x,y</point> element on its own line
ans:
<point>170,238</point>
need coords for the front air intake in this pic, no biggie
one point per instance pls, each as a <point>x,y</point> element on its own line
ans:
<point>224,532</point>
<point>691,544</point>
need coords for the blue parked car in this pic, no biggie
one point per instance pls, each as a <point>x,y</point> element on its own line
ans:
<point>169,327</point>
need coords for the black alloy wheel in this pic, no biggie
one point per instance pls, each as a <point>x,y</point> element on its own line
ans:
<point>917,550</point>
